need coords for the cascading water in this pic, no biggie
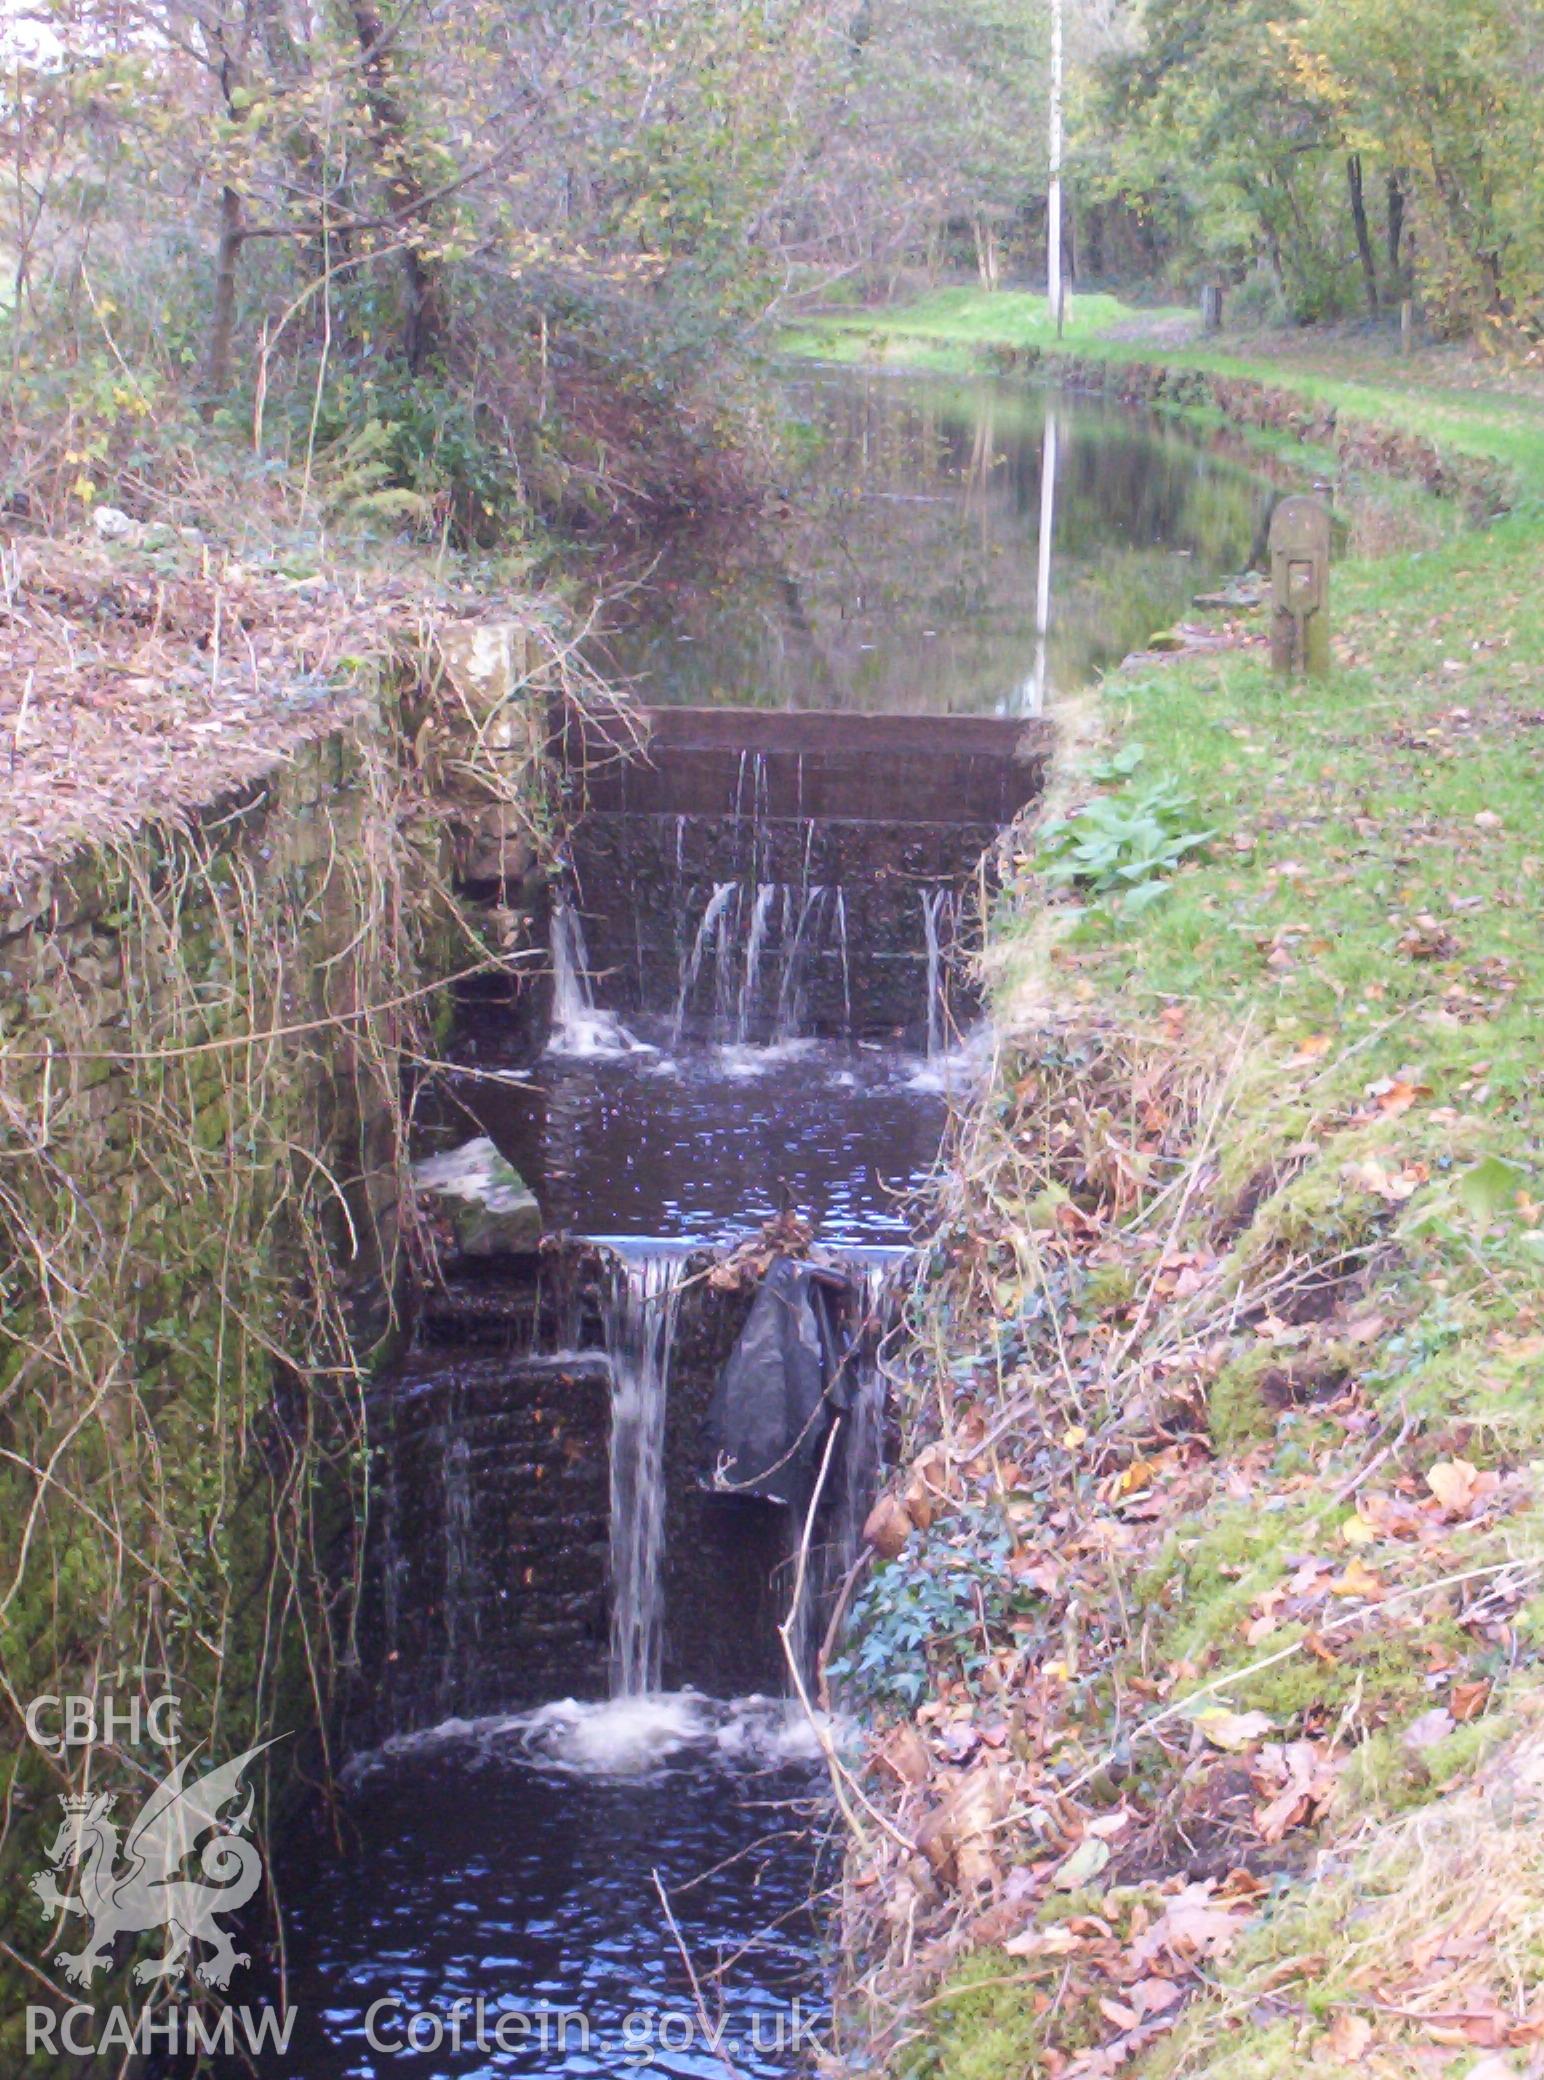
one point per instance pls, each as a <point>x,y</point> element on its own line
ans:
<point>755,941</point>
<point>749,811</point>
<point>640,1325</point>
<point>393,1561</point>
<point>513,1853</point>
<point>937,908</point>
<point>579,1026</point>
<point>758,945</point>
<point>710,932</point>
<point>840,909</point>
<point>790,996</point>
<point>461,1599</point>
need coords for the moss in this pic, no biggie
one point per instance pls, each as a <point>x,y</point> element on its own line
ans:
<point>1312,1209</point>
<point>1109,1287</point>
<point>1236,1413</point>
<point>1211,1569</point>
<point>189,1247</point>
<point>1385,1775</point>
<point>981,2028</point>
<point>1386,1675</point>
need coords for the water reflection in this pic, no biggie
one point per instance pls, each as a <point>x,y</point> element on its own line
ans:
<point>913,569</point>
<point>1034,697</point>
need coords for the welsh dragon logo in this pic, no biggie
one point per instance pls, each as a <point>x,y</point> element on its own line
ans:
<point>149,1888</point>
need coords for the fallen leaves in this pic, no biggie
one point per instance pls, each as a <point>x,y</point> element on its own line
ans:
<point>1348,2037</point>
<point>1467,1701</point>
<point>1383,1180</point>
<point>932,1484</point>
<point>1427,939</point>
<point>1359,1580</point>
<point>1231,1731</point>
<point>1193,1929</point>
<point>1085,1863</point>
<point>144,685</point>
<point>1394,1095</point>
<point>1299,1779</point>
<point>957,1835</point>
<point>888,1526</point>
<point>1372,1588</point>
<point>1455,1483</point>
<point>904,1754</point>
<point>1313,1049</point>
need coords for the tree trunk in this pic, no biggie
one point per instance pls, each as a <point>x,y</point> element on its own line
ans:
<point>986,251</point>
<point>222,323</point>
<point>1396,236</point>
<point>222,319</point>
<point>934,254</point>
<point>1091,226</point>
<point>423,310</point>
<point>1363,235</point>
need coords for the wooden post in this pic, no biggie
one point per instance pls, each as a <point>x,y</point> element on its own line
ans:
<point>1406,326</point>
<point>1211,307</point>
<point>1300,586</point>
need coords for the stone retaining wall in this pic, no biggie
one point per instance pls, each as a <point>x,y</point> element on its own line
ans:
<point>201,1245</point>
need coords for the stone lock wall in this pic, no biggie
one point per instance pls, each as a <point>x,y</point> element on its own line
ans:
<point>202,1234</point>
<point>487,1585</point>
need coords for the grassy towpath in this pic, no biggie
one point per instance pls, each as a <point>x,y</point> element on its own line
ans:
<point>1222,1734</point>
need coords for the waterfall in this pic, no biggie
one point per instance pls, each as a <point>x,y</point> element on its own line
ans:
<point>841,941</point>
<point>761,964</point>
<point>936,905</point>
<point>766,896</point>
<point>753,768</point>
<point>723,895</point>
<point>579,1026</point>
<point>790,996</point>
<point>640,1323</point>
<point>393,1560</point>
<point>461,1599</point>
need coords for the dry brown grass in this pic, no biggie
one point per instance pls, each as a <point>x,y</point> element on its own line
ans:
<point>150,681</point>
<point>1418,1953</point>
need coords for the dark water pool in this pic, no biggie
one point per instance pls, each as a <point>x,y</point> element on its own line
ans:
<point>517,1868</point>
<point>707,1143</point>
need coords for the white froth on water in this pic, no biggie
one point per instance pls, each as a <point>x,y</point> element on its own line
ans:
<point>623,1736</point>
<point>580,1028</point>
<point>739,1062</point>
<point>956,1071</point>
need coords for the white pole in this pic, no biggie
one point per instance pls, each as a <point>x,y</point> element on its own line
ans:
<point>1053,200</point>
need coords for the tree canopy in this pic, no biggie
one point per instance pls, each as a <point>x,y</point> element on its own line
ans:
<point>493,256</point>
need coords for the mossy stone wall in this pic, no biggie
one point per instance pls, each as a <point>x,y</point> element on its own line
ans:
<point>202,1033</point>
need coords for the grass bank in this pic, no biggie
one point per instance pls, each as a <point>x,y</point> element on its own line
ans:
<point>1459,402</point>
<point>1204,1663</point>
<point>953,328</point>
